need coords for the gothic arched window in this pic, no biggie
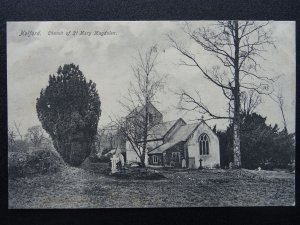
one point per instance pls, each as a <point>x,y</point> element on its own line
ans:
<point>203,144</point>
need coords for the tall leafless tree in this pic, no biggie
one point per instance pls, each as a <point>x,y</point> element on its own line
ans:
<point>237,47</point>
<point>17,128</point>
<point>278,98</point>
<point>141,93</point>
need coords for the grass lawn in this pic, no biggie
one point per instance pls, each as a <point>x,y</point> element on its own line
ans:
<point>83,188</point>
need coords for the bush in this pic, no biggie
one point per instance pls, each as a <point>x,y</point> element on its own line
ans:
<point>19,146</point>
<point>16,164</point>
<point>104,159</point>
<point>268,166</point>
<point>93,158</point>
<point>101,159</point>
<point>44,161</point>
<point>38,162</point>
<point>106,150</point>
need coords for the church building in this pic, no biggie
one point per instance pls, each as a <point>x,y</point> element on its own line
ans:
<point>178,144</point>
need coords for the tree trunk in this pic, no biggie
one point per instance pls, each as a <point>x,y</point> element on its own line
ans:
<point>145,131</point>
<point>236,143</point>
<point>237,104</point>
<point>143,160</point>
<point>145,134</point>
<point>283,117</point>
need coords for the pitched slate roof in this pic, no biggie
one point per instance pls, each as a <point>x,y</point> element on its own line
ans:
<point>162,148</point>
<point>159,130</point>
<point>182,134</point>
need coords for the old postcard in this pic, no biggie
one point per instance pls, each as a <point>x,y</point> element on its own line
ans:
<point>137,114</point>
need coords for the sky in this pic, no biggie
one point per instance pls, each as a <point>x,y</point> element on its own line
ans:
<point>107,61</point>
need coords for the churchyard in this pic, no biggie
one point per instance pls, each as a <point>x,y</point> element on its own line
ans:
<point>89,186</point>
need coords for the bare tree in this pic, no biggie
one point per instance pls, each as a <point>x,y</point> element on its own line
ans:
<point>249,102</point>
<point>237,47</point>
<point>106,138</point>
<point>141,93</point>
<point>36,135</point>
<point>17,128</point>
<point>11,137</point>
<point>98,140</point>
<point>278,98</point>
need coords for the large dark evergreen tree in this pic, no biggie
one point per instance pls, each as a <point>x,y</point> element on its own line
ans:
<point>261,144</point>
<point>69,110</point>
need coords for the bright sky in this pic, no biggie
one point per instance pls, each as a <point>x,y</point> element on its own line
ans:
<point>107,61</point>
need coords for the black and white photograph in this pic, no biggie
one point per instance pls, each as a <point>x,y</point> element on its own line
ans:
<point>151,114</point>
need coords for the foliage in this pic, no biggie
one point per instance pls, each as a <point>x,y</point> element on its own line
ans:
<point>38,162</point>
<point>69,110</point>
<point>104,159</point>
<point>15,139</point>
<point>101,159</point>
<point>261,144</point>
<point>17,164</point>
<point>106,140</point>
<point>36,135</point>
<point>18,146</point>
<point>106,150</point>
<point>226,154</point>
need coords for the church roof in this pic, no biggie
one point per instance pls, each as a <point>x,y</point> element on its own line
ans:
<point>182,134</point>
<point>158,131</point>
<point>162,148</point>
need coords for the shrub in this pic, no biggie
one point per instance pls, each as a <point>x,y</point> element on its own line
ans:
<point>16,164</point>
<point>101,159</point>
<point>38,162</point>
<point>104,159</point>
<point>267,166</point>
<point>44,161</point>
<point>19,146</point>
<point>93,158</point>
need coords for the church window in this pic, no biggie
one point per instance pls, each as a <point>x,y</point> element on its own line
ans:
<point>155,159</point>
<point>204,144</point>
